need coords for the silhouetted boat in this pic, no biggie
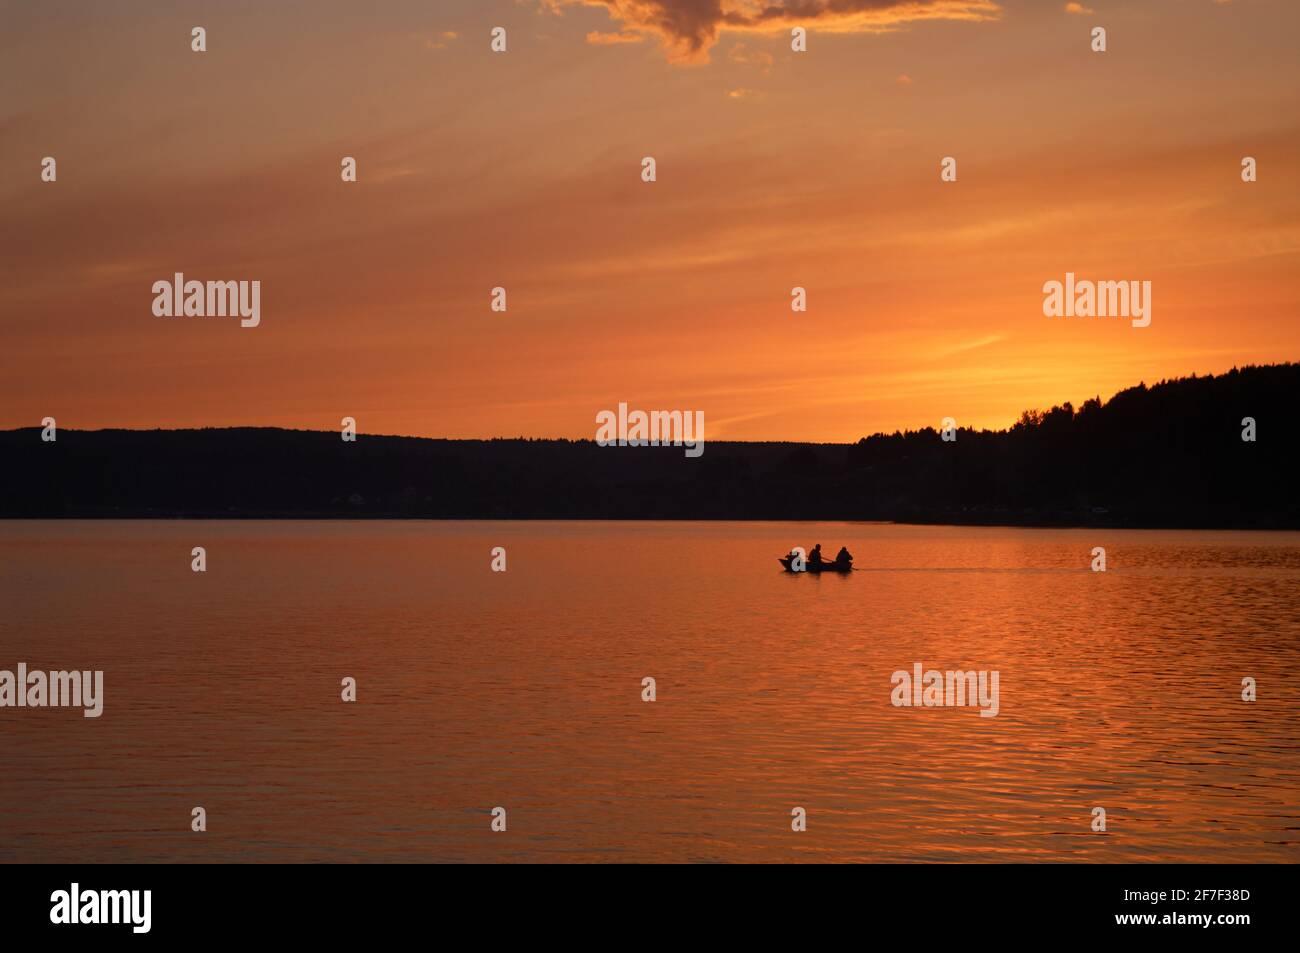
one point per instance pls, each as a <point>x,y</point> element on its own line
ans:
<point>809,567</point>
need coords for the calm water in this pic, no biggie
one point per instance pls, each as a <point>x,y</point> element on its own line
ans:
<point>523,689</point>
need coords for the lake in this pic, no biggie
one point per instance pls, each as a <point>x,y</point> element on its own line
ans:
<point>523,689</point>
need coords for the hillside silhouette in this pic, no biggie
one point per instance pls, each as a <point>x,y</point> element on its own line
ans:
<point>1169,455</point>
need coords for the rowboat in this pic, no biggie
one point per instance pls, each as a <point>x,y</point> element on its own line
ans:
<point>809,567</point>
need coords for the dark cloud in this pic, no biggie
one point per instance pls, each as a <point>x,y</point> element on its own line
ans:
<point>688,28</point>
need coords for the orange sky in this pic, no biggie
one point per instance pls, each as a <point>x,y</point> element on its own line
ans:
<point>522,169</point>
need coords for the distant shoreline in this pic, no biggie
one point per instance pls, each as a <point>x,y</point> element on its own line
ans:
<point>1194,453</point>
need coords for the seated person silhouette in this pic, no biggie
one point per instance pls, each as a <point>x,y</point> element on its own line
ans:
<point>815,557</point>
<point>844,557</point>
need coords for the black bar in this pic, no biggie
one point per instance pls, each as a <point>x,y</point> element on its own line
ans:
<point>929,905</point>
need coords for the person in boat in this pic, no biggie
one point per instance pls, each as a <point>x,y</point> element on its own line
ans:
<point>815,557</point>
<point>844,557</point>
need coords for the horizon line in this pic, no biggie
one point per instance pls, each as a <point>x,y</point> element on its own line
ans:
<point>782,440</point>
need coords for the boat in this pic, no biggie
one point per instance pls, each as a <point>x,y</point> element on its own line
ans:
<point>809,567</point>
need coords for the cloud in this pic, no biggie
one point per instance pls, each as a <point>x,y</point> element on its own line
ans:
<point>688,29</point>
<point>1073,7</point>
<point>596,38</point>
<point>966,346</point>
<point>436,41</point>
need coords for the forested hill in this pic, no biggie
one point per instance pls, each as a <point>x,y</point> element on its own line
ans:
<point>1167,455</point>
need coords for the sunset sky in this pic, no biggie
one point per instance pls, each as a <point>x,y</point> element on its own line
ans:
<point>522,169</point>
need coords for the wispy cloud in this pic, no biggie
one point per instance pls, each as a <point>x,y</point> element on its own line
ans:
<point>596,38</point>
<point>965,346</point>
<point>436,41</point>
